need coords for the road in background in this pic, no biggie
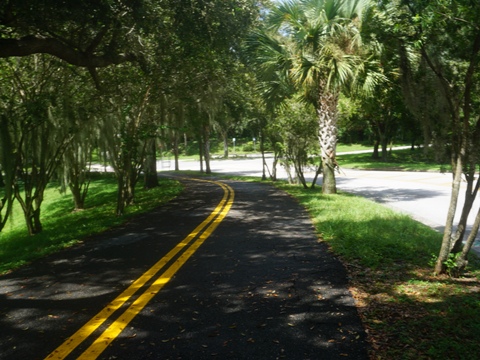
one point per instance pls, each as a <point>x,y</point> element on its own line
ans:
<point>423,195</point>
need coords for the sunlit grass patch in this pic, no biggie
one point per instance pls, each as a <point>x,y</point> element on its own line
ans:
<point>362,230</point>
<point>406,160</point>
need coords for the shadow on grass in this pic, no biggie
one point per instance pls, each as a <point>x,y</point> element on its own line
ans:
<point>412,316</point>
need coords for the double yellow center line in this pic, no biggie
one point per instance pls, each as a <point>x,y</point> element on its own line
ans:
<point>188,245</point>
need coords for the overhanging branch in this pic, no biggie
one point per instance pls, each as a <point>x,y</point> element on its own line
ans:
<point>29,45</point>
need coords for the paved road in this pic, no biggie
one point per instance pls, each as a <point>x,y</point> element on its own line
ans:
<point>259,287</point>
<point>423,195</point>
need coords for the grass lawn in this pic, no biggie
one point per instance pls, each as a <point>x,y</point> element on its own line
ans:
<point>64,227</point>
<point>405,160</point>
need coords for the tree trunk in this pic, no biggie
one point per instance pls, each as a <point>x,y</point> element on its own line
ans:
<point>176,154</point>
<point>76,190</point>
<point>225,144</point>
<point>37,225</point>
<point>288,170</point>
<point>150,175</point>
<point>327,119</point>
<point>200,150</point>
<point>457,239</point>
<point>297,165</point>
<point>120,193</point>
<point>5,204</point>
<point>440,267</point>
<point>375,154</point>
<point>470,195</point>
<point>8,165</point>
<point>274,169</point>
<point>206,145</point>
<point>77,173</point>
<point>31,208</point>
<point>317,172</point>
<point>262,151</point>
<point>462,259</point>
<point>384,142</point>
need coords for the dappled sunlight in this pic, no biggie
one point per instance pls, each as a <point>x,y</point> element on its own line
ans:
<point>396,309</point>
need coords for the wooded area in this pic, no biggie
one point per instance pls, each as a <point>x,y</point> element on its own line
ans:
<point>121,81</point>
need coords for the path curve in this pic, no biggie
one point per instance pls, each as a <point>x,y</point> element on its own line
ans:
<point>260,287</point>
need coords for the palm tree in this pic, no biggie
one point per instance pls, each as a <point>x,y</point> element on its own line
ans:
<point>327,54</point>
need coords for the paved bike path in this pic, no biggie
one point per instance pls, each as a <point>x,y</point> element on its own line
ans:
<point>260,287</point>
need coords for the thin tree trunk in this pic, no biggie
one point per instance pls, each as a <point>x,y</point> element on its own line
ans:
<point>317,172</point>
<point>151,177</point>
<point>288,170</point>
<point>462,259</point>
<point>200,150</point>
<point>8,165</point>
<point>262,150</point>
<point>440,267</point>
<point>225,144</point>
<point>120,193</point>
<point>375,154</point>
<point>176,151</point>
<point>206,145</point>
<point>470,196</point>
<point>76,190</point>
<point>384,148</point>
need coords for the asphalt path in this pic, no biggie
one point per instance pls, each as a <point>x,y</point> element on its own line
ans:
<point>259,286</point>
<point>425,196</point>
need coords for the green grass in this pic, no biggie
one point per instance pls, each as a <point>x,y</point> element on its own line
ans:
<point>354,147</point>
<point>397,160</point>
<point>64,227</point>
<point>409,313</point>
<point>406,160</point>
<point>360,229</point>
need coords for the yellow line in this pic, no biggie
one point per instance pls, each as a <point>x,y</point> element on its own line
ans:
<point>85,331</point>
<point>101,343</point>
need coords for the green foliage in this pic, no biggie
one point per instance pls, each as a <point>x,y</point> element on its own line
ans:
<point>450,264</point>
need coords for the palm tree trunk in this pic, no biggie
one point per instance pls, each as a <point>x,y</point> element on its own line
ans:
<point>327,112</point>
